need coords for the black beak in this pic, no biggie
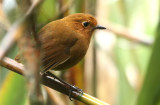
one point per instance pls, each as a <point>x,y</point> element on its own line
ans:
<point>99,27</point>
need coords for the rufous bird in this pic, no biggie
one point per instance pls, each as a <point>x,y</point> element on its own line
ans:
<point>64,42</point>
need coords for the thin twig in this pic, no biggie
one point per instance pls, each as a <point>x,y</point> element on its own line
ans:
<point>129,35</point>
<point>50,81</point>
<point>13,34</point>
<point>32,7</point>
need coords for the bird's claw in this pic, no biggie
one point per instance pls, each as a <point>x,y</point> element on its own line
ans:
<point>74,88</point>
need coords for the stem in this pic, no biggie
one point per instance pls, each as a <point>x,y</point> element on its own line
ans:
<point>49,81</point>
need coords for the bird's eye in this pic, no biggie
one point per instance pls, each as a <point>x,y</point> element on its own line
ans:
<point>85,24</point>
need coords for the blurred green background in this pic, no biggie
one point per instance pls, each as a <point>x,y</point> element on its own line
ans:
<point>122,65</point>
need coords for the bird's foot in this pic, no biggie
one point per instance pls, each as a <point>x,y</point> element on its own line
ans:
<point>74,88</point>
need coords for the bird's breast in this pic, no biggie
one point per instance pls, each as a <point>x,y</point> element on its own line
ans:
<point>77,52</point>
<point>79,49</point>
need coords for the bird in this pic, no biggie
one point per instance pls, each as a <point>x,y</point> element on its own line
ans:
<point>64,42</point>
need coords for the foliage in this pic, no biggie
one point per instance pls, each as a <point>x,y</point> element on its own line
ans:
<point>127,58</point>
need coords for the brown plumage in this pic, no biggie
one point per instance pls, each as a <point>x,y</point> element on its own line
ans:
<point>64,42</point>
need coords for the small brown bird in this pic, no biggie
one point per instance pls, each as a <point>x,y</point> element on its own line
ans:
<point>65,42</point>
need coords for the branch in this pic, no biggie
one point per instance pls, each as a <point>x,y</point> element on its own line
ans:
<point>130,35</point>
<point>10,38</point>
<point>49,81</point>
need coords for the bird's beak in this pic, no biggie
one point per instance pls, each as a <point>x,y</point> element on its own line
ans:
<point>99,27</point>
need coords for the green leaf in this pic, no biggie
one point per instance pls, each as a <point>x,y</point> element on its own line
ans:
<point>150,91</point>
<point>13,90</point>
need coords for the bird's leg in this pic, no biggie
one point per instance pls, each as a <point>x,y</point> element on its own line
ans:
<point>71,87</point>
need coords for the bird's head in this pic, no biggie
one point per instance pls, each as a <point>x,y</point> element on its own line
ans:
<point>82,23</point>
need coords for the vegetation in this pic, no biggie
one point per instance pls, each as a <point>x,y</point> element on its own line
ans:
<point>122,65</point>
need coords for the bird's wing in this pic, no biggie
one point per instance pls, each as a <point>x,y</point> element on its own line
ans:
<point>56,45</point>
